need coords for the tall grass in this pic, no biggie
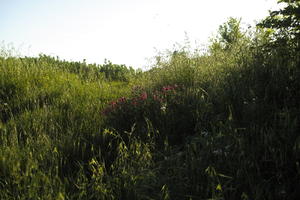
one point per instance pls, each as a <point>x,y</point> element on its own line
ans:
<point>220,125</point>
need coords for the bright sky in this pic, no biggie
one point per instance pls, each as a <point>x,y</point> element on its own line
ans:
<point>123,31</point>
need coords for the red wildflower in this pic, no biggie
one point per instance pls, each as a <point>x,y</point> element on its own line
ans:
<point>144,96</point>
<point>168,87</point>
<point>113,104</point>
<point>122,99</point>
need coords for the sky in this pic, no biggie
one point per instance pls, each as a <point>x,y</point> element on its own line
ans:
<point>127,32</point>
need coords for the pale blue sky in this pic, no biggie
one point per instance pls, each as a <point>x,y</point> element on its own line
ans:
<point>123,31</point>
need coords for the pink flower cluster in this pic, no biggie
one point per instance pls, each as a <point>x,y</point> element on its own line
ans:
<point>140,98</point>
<point>169,88</point>
<point>144,96</point>
<point>113,105</point>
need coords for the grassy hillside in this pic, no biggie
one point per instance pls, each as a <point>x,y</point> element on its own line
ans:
<point>218,125</point>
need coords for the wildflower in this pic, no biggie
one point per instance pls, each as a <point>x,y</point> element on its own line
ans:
<point>163,108</point>
<point>168,88</point>
<point>113,104</point>
<point>134,101</point>
<point>144,96</point>
<point>165,88</point>
<point>122,100</point>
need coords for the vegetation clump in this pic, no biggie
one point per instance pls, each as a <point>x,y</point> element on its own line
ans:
<point>218,125</point>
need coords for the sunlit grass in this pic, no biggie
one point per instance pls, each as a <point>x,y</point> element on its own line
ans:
<point>220,125</point>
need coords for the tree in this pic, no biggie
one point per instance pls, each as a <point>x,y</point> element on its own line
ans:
<point>229,34</point>
<point>286,24</point>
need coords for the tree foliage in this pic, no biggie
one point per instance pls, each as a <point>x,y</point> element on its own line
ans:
<point>285,23</point>
<point>229,34</point>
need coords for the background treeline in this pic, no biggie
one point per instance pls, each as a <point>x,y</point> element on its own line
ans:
<point>107,71</point>
<point>220,124</point>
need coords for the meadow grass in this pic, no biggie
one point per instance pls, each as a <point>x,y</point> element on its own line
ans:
<point>220,125</point>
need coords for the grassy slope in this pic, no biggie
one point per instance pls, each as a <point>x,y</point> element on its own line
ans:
<point>220,126</point>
